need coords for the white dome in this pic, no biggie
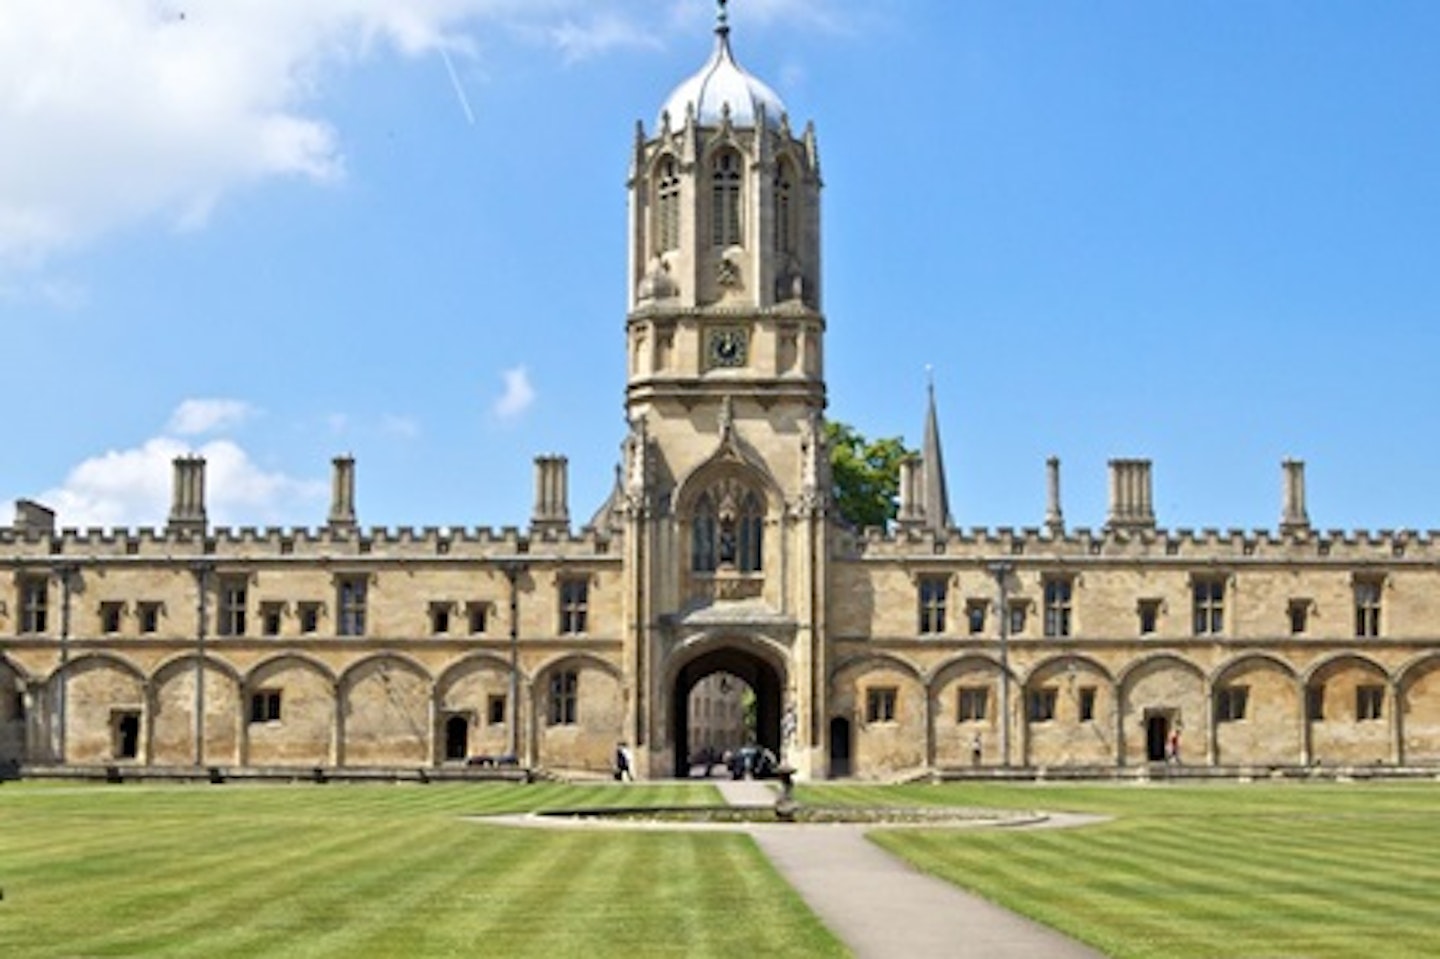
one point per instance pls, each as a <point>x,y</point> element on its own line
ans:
<point>721,83</point>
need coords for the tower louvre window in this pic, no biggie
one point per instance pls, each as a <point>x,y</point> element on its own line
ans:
<point>667,206</point>
<point>725,178</point>
<point>784,210</point>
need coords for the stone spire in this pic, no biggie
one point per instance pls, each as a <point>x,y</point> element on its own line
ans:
<point>937,499</point>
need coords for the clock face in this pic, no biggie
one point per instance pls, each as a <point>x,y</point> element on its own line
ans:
<point>727,347</point>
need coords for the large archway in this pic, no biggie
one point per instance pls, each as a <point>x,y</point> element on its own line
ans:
<point>763,679</point>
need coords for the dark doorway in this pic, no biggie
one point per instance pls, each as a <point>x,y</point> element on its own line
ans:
<point>740,667</point>
<point>127,735</point>
<point>1157,734</point>
<point>839,747</point>
<point>457,738</point>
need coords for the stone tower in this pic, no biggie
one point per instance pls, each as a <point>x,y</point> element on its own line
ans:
<point>725,478</point>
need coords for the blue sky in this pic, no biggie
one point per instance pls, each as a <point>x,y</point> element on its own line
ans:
<point>1205,233</point>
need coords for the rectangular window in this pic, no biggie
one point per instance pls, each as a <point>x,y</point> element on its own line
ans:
<point>34,604</point>
<point>1209,606</point>
<point>149,616</point>
<point>1149,616</point>
<point>1017,618</point>
<point>880,705</point>
<point>110,616</point>
<point>309,617</point>
<point>1087,704</point>
<point>932,604</point>
<point>1299,611</point>
<point>478,615</point>
<point>440,618</point>
<point>231,621</point>
<point>975,616</point>
<point>265,706</point>
<point>1040,705</point>
<point>495,709</point>
<point>574,604</point>
<point>973,703</point>
<point>1230,703</point>
<point>1057,605</point>
<point>1369,702</point>
<point>270,618</point>
<point>1367,608</point>
<point>1315,703</point>
<point>564,689</point>
<point>351,604</point>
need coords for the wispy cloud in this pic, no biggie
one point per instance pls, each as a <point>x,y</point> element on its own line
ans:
<point>519,395</point>
<point>182,104</point>
<point>200,416</point>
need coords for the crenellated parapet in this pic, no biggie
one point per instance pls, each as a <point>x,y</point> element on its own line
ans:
<point>1181,544</point>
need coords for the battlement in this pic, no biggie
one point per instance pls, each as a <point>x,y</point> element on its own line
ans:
<point>1127,543</point>
<point>261,543</point>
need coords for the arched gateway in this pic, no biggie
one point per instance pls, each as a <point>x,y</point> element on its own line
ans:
<point>764,677</point>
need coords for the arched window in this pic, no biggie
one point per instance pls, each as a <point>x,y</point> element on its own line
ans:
<point>702,539</point>
<point>667,206</point>
<point>752,534</point>
<point>784,209</point>
<point>727,530</point>
<point>725,178</point>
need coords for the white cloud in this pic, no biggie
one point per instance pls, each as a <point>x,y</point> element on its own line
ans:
<point>132,487</point>
<point>518,397</point>
<point>137,111</point>
<point>195,417</point>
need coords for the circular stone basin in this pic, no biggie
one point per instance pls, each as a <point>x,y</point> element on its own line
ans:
<point>763,815</point>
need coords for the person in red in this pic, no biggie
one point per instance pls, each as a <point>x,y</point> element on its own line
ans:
<point>1174,750</point>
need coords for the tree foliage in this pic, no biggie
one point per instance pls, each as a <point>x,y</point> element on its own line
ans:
<point>865,475</point>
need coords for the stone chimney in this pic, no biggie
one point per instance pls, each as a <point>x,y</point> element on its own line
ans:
<point>552,509</point>
<point>187,506</point>
<point>342,493</point>
<point>1293,517</point>
<point>1131,503</point>
<point>1054,518</point>
<point>912,507</point>
<point>33,517</point>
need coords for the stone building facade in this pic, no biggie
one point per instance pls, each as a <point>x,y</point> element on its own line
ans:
<point>869,653</point>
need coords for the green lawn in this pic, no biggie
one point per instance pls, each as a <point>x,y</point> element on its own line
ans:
<point>376,870</point>
<point>1263,870</point>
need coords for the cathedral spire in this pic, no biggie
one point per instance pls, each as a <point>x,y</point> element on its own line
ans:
<point>937,499</point>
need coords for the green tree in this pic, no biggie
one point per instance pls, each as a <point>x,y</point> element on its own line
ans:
<point>865,475</point>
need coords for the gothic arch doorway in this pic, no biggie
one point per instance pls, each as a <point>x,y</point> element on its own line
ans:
<point>730,664</point>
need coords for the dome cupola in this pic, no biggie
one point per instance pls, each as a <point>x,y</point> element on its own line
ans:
<point>722,88</point>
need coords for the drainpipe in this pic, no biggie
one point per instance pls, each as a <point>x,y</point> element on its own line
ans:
<point>1001,571</point>
<point>202,582</point>
<point>66,572</point>
<point>512,570</point>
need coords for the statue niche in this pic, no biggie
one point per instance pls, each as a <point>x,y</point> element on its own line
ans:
<point>727,530</point>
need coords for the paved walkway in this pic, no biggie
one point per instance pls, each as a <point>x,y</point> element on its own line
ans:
<point>882,907</point>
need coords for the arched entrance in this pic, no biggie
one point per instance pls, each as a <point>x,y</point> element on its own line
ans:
<point>839,747</point>
<point>762,678</point>
<point>457,737</point>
